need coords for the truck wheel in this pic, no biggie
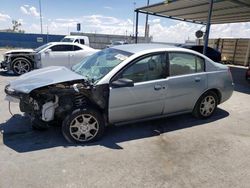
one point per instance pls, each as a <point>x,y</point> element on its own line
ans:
<point>206,105</point>
<point>82,126</point>
<point>21,65</point>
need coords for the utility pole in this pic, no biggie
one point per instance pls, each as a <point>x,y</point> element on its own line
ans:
<point>134,19</point>
<point>41,19</point>
<point>146,24</point>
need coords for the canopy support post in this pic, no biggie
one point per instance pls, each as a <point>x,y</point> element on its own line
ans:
<point>208,26</point>
<point>136,26</point>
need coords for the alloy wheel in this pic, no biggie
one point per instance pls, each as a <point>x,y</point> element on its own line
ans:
<point>207,105</point>
<point>84,127</point>
<point>21,67</point>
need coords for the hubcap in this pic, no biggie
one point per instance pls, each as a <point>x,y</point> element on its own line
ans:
<point>207,106</point>
<point>84,127</point>
<point>21,67</point>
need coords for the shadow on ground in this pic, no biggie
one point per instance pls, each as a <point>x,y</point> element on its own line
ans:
<point>18,135</point>
<point>241,84</point>
<point>7,73</point>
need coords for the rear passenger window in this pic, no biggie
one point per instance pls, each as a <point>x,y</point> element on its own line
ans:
<point>184,63</point>
<point>82,41</point>
<point>76,48</point>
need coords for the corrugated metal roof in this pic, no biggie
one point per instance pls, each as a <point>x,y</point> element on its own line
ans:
<point>224,11</point>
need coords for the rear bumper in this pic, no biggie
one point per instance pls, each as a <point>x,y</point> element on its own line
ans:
<point>227,93</point>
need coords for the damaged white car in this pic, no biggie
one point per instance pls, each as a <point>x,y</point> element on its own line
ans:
<point>55,53</point>
<point>119,85</point>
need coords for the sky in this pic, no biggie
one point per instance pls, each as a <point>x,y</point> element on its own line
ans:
<point>106,17</point>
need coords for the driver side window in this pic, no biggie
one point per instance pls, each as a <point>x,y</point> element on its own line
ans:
<point>149,68</point>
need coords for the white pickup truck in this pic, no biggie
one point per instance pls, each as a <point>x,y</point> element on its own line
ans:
<point>76,39</point>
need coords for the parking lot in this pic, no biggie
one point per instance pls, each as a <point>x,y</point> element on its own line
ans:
<point>179,151</point>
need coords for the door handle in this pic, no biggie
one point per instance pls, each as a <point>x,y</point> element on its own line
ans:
<point>157,87</point>
<point>197,79</point>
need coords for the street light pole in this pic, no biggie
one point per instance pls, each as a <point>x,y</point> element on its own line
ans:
<point>134,19</point>
<point>41,19</point>
<point>146,24</point>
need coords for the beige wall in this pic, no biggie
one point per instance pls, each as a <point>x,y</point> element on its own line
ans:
<point>235,51</point>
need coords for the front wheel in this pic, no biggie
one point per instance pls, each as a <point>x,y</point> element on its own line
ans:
<point>83,125</point>
<point>21,66</point>
<point>206,105</point>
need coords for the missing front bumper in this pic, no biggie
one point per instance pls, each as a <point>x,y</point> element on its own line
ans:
<point>4,65</point>
<point>11,99</point>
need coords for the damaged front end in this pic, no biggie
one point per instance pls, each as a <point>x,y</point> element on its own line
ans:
<point>55,102</point>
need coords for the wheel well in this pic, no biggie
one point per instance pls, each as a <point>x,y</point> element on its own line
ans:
<point>103,112</point>
<point>217,92</point>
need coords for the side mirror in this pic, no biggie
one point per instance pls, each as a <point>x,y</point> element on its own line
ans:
<point>47,51</point>
<point>122,82</point>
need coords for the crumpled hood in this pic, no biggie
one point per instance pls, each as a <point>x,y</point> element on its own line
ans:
<point>43,77</point>
<point>20,51</point>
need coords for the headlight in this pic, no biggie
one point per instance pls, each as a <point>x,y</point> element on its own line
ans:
<point>6,58</point>
<point>9,90</point>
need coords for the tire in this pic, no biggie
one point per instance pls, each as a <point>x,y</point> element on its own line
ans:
<point>39,125</point>
<point>83,126</point>
<point>21,65</point>
<point>206,105</point>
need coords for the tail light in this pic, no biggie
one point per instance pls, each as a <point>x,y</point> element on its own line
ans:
<point>248,72</point>
<point>230,74</point>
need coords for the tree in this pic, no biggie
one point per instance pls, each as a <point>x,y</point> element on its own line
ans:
<point>16,26</point>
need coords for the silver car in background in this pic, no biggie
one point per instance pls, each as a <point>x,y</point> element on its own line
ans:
<point>119,85</point>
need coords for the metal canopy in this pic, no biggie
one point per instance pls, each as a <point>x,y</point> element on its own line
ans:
<point>224,11</point>
<point>205,12</point>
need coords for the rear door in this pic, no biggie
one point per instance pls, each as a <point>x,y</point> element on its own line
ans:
<point>186,82</point>
<point>146,98</point>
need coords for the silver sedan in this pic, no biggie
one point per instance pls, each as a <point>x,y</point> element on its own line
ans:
<point>120,85</point>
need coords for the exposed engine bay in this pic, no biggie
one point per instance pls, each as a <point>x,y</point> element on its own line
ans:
<point>54,102</point>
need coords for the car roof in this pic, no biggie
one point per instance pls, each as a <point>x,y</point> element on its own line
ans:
<point>71,43</point>
<point>67,43</point>
<point>135,48</point>
<point>75,36</point>
<point>192,46</point>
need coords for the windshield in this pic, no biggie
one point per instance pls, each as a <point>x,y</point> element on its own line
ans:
<point>101,63</point>
<point>42,47</point>
<point>116,43</point>
<point>67,40</point>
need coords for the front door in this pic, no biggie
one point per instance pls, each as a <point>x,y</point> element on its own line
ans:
<point>145,99</point>
<point>58,56</point>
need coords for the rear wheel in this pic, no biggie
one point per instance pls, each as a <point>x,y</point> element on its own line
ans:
<point>82,126</point>
<point>206,105</point>
<point>21,66</point>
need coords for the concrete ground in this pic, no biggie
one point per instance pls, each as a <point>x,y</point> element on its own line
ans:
<point>177,152</point>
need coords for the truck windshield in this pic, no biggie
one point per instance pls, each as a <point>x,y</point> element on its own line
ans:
<point>67,40</point>
<point>101,63</point>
